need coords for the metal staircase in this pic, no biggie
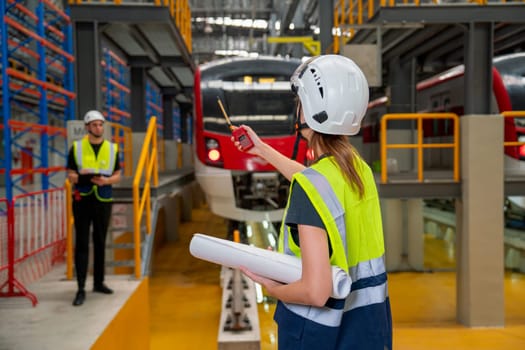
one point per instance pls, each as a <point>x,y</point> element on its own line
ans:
<point>120,244</point>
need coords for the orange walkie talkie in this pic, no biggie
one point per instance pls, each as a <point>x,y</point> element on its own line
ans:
<point>238,133</point>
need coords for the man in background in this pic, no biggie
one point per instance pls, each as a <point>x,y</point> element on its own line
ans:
<point>93,168</point>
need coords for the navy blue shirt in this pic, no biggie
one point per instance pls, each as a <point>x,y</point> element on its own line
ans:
<point>302,212</point>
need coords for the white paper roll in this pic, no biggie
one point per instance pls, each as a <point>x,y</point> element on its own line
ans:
<point>279,267</point>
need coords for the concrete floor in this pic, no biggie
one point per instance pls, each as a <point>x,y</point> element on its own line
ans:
<point>54,323</point>
<point>185,302</point>
<point>185,307</point>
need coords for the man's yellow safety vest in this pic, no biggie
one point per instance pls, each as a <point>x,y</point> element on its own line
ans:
<point>101,164</point>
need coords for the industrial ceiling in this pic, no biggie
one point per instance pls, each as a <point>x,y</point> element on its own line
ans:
<point>228,27</point>
<point>430,37</point>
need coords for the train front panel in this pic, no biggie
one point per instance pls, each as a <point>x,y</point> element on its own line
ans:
<point>254,92</point>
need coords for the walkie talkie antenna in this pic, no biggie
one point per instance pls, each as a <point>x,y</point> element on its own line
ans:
<point>224,113</point>
<point>238,133</point>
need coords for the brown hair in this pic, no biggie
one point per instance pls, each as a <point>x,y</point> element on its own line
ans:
<point>345,155</point>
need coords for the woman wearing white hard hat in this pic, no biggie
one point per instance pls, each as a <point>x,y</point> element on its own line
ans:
<point>332,218</point>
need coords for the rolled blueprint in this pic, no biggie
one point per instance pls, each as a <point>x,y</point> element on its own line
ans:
<point>277,266</point>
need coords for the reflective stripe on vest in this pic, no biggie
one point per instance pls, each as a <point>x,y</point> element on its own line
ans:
<point>368,275</point>
<point>103,163</point>
<point>323,315</point>
<point>102,193</point>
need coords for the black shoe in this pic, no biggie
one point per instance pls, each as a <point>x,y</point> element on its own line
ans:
<point>102,289</point>
<point>79,298</point>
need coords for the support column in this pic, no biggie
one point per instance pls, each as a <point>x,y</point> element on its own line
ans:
<point>479,213</point>
<point>88,84</point>
<point>138,99</point>
<point>478,68</point>
<point>167,116</point>
<point>138,110</point>
<point>402,88</point>
<point>326,22</point>
<point>403,231</point>
<point>392,213</point>
<point>171,144</point>
<point>186,125</point>
<point>415,239</point>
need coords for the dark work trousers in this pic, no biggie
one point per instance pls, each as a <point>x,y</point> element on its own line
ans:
<point>89,210</point>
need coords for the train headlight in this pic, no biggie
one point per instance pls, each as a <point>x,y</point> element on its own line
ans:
<point>522,152</point>
<point>214,155</point>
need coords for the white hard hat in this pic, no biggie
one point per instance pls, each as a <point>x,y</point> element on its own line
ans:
<point>333,92</point>
<point>92,116</point>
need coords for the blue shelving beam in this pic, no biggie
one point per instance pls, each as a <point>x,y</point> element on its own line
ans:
<point>154,106</point>
<point>37,91</point>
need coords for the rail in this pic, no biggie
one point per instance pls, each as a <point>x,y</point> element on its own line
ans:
<point>33,237</point>
<point>147,167</point>
<point>69,229</point>
<point>513,114</point>
<point>420,145</point>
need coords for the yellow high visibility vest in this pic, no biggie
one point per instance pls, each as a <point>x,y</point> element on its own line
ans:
<point>353,224</point>
<point>101,164</point>
<point>355,231</point>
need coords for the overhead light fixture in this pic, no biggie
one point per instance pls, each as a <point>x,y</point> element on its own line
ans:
<point>256,23</point>
<point>242,53</point>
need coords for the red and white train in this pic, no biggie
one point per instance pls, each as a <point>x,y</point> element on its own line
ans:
<point>254,92</point>
<point>445,93</point>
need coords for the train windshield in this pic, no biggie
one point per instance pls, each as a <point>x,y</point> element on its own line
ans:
<point>268,108</point>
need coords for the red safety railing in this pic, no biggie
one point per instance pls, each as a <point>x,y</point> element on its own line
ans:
<point>32,239</point>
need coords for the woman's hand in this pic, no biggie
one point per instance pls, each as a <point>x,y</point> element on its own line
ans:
<point>267,283</point>
<point>257,142</point>
<point>282,163</point>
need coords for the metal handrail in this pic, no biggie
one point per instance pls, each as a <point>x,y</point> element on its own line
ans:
<point>419,117</point>
<point>147,166</point>
<point>513,114</point>
<point>69,229</point>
